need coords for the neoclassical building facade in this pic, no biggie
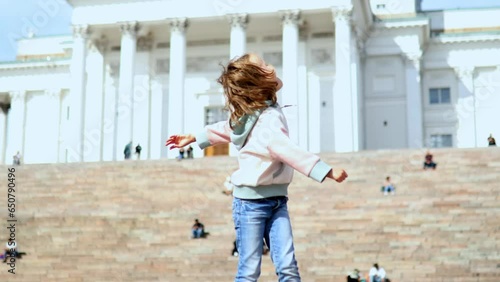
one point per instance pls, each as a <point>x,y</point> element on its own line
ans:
<point>358,75</point>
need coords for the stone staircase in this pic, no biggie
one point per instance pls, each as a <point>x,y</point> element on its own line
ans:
<point>130,221</point>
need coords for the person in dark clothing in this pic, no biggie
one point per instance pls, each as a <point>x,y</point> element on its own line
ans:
<point>17,158</point>
<point>189,152</point>
<point>128,150</point>
<point>429,163</point>
<point>11,252</point>
<point>138,150</point>
<point>198,229</point>
<point>491,141</point>
<point>181,154</point>
<point>354,276</point>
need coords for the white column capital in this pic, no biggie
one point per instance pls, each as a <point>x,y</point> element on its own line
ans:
<point>413,58</point>
<point>238,20</point>
<point>129,28</point>
<point>179,25</point>
<point>81,31</point>
<point>53,94</point>
<point>16,96</point>
<point>464,71</point>
<point>291,17</point>
<point>342,13</point>
<point>238,42</point>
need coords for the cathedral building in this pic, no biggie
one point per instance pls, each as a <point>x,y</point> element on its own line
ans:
<point>357,74</point>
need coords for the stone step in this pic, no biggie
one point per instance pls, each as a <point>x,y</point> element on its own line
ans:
<point>130,221</point>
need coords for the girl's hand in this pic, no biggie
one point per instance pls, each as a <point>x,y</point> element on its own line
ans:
<point>338,175</point>
<point>180,141</point>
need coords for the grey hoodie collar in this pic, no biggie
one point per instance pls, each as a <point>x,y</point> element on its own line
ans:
<point>246,123</point>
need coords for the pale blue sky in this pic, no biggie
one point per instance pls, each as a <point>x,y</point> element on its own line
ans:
<point>53,17</point>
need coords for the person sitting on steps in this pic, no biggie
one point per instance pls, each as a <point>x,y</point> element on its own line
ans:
<point>388,187</point>
<point>199,230</point>
<point>429,163</point>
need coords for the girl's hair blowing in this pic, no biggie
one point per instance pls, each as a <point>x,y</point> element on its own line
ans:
<point>247,87</point>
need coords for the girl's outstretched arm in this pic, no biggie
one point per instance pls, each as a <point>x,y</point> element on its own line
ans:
<point>180,141</point>
<point>307,163</point>
<point>282,148</point>
<point>214,134</point>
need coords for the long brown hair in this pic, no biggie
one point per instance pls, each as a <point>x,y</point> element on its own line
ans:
<point>247,87</point>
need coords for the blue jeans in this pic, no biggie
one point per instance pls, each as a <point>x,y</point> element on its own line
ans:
<point>197,233</point>
<point>264,218</point>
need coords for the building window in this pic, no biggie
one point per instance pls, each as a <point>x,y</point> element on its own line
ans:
<point>215,114</point>
<point>441,141</point>
<point>439,96</point>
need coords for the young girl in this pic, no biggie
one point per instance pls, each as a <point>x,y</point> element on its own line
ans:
<point>267,159</point>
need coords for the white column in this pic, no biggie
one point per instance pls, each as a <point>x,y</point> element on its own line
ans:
<point>345,104</point>
<point>74,138</point>
<point>314,112</point>
<point>92,133</point>
<point>15,125</point>
<point>176,74</point>
<point>238,35</point>
<point>64,126</point>
<point>156,140</point>
<point>109,127</point>
<point>125,113</point>
<point>357,62</point>
<point>414,115</point>
<point>237,48</point>
<point>53,131</point>
<point>291,21</point>
<point>303,97</point>
<point>357,86</point>
<point>465,108</point>
<point>3,133</point>
<point>142,96</point>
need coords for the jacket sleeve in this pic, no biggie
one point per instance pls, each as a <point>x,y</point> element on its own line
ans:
<point>214,134</point>
<point>283,149</point>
